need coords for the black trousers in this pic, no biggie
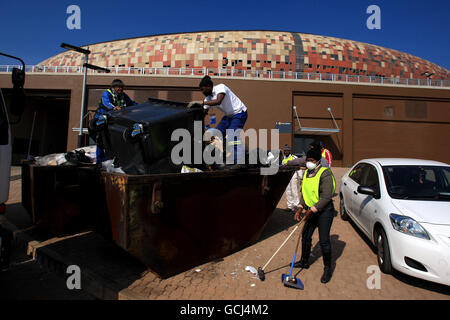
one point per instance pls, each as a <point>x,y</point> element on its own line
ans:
<point>323,221</point>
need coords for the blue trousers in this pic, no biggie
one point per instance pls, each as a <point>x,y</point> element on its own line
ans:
<point>234,122</point>
<point>100,155</point>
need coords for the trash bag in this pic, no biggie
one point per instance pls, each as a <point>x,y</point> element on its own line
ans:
<point>109,166</point>
<point>53,159</point>
<point>77,157</point>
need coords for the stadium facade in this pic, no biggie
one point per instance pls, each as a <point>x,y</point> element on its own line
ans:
<point>255,50</point>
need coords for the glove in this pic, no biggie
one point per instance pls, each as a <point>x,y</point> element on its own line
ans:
<point>195,103</point>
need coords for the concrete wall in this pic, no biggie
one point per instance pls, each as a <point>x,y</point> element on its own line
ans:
<point>374,120</point>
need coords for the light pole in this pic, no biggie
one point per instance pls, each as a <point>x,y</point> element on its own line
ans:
<point>428,75</point>
<point>86,66</point>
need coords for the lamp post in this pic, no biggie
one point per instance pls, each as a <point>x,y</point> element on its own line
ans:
<point>86,66</point>
<point>428,75</point>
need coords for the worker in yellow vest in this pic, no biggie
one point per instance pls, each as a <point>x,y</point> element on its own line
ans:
<point>113,99</point>
<point>292,198</point>
<point>318,187</point>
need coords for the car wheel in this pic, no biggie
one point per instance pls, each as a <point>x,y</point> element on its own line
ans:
<point>344,215</point>
<point>383,253</point>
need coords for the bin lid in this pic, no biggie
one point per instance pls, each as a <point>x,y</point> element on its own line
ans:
<point>153,111</point>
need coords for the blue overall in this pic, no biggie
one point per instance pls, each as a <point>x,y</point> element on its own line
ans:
<point>234,122</point>
<point>106,105</point>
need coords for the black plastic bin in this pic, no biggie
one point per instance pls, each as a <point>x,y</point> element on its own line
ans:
<point>139,137</point>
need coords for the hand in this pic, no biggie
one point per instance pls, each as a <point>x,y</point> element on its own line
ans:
<point>299,214</point>
<point>302,214</point>
<point>308,214</point>
<point>194,103</point>
<point>117,108</point>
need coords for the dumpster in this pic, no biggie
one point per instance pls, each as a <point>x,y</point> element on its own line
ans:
<point>139,137</point>
<point>173,222</point>
<point>65,199</point>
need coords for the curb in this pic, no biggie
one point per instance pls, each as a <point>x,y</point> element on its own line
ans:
<point>92,282</point>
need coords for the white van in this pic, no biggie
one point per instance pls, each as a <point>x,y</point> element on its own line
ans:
<point>5,153</point>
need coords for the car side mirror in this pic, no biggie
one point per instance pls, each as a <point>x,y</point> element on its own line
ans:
<point>368,191</point>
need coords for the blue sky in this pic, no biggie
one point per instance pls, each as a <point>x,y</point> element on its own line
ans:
<point>34,30</point>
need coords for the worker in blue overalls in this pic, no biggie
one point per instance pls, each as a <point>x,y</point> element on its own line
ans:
<point>113,99</point>
<point>235,111</point>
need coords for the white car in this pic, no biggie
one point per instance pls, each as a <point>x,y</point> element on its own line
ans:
<point>403,207</point>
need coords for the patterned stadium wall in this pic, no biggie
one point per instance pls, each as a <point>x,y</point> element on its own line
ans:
<point>255,50</point>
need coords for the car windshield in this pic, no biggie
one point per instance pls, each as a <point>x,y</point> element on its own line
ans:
<point>430,183</point>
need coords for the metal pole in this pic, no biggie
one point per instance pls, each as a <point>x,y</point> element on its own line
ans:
<point>31,136</point>
<point>80,135</point>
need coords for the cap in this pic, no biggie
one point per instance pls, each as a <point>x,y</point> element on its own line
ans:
<point>314,154</point>
<point>117,83</point>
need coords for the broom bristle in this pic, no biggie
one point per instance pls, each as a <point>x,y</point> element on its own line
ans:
<point>261,274</point>
<point>292,282</point>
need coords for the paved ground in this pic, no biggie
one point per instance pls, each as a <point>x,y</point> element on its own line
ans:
<point>227,278</point>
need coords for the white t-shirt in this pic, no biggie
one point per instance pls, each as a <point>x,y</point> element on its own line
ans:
<point>230,105</point>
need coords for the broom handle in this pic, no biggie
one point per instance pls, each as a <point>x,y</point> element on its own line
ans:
<point>295,252</point>
<point>296,227</point>
<point>298,240</point>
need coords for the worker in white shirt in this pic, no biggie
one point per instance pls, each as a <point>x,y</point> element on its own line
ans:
<point>235,112</point>
<point>292,188</point>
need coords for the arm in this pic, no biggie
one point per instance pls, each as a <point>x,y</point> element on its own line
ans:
<point>106,100</point>
<point>214,102</point>
<point>329,157</point>
<point>298,162</point>
<point>128,101</point>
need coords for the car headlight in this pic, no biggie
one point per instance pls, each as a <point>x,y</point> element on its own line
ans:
<point>408,226</point>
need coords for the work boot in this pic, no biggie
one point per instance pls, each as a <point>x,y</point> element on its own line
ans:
<point>327,270</point>
<point>304,263</point>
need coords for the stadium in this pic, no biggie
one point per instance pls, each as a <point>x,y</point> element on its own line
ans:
<point>361,100</point>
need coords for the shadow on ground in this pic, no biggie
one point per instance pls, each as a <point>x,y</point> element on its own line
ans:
<point>279,221</point>
<point>106,263</point>
<point>26,279</point>
<point>337,248</point>
<point>423,284</point>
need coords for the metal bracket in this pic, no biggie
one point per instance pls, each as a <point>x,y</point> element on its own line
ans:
<point>316,131</point>
<point>157,204</point>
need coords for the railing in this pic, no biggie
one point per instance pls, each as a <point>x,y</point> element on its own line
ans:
<point>261,74</point>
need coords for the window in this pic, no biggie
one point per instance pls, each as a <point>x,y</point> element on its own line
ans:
<point>418,182</point>
<point>370,178</point>
<point>356,173</point>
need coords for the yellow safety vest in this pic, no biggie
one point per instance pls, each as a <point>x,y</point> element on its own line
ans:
<point>310,187</point>
<point>115,102</point>
<point>291,157</point>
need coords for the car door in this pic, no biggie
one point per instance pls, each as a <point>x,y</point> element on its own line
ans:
<point>350,185</point>
<point>366,207</point>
